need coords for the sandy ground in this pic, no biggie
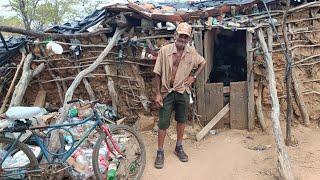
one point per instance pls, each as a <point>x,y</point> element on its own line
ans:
<point>234,154</point>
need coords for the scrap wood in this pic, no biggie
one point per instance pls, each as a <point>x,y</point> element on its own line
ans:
<point>213,122</point>
<point>53,35</point>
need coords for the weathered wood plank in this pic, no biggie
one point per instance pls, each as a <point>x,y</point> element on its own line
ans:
<point>213,100</point>
<point>250,79</point>
<point>212,122</point>
<point>200,79</point>
<point>238,105</point>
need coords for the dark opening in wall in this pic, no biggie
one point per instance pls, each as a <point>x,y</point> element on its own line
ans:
<point>229,57</point>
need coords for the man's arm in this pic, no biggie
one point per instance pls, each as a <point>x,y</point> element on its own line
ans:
<point>200,69</point>
<point>157,80</point>
<point>157,83</point>
<point>192,79</point>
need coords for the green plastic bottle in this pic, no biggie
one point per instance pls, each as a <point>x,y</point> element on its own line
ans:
<point>112,171</point>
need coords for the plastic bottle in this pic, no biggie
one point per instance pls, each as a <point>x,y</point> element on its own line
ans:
<point>143,53</point>
<point>112,170</point>
<point>81,158</point>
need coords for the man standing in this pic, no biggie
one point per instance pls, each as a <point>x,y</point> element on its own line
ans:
<point>173,80</point>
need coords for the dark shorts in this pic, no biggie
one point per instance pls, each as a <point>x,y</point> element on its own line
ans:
<point>177,102</point>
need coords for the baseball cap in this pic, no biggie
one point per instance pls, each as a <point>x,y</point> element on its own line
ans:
<point>184,28</point>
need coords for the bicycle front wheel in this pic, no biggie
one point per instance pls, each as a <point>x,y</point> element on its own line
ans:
<point>20,163</point>
<point>131,145</point>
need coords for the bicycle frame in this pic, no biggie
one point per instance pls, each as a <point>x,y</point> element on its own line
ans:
<point>50,157</point>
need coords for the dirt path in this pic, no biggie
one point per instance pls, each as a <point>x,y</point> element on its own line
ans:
<point>234,154</point>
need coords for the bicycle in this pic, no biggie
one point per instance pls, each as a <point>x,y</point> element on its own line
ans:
<point>119,145</point>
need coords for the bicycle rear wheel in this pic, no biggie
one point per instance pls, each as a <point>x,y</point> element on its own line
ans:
<point>132,146</point>
<point>20,161</point>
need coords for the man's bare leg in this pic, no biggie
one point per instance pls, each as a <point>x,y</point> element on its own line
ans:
<point>160,154</point>
<point>180,132</point>
<point>179,150</point>
<point>161,137</point>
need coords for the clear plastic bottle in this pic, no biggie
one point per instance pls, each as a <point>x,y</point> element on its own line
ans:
<point>81,158</point>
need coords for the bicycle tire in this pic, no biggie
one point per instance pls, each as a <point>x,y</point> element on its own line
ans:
<point>26,150</point>
<point>113,129</point>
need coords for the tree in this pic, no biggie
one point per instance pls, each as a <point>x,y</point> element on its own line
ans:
<point>37,14</point>
<point>25,10</point>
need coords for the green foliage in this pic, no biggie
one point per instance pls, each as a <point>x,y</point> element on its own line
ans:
<point>39,14</point>
<point>11,21</point>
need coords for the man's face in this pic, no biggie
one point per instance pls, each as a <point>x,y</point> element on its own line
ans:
<point>181,40</point>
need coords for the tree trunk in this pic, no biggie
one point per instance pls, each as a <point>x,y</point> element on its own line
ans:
<point>54,144</point>
<point>284,166</point>
<point>27,75</point>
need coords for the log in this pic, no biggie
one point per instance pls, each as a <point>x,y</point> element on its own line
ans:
<point>283,157</point>
<point>299,99</point>
<point>86,85</point>
<point>27,75</point>
<point>53,35</point>
<point>259,106</point>
<point>40,99</point>
<point>288,77</point>
<point>213,122</point>
<point>112,90</point>
<point>250,78</point>
<point>54,145</point>
<point>6,99</point>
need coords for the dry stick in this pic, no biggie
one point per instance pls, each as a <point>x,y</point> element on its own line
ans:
<point>86,85</point>
<point>259,106</point>
<point>288,77</point>
<point>284,162</point>
<point>57,84</point>
<point>108,62</point>
<point>299,100</point>
<point>306,59</point>
<point>88,76</point>
<point>54,145</point>
<point>6,99</point>
<point>52,35</point>
<point>27,75</point>
<point>112,90</point>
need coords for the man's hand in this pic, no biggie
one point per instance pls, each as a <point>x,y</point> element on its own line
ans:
<point>189,81</point>
<point>159,100</point>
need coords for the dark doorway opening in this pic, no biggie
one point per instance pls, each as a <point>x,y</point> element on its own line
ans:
<point>229,57</point>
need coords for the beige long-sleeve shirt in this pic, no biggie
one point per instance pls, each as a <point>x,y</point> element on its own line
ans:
<point>190,59</point>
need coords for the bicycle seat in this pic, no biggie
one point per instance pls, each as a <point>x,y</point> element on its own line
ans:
<point>20,112</point>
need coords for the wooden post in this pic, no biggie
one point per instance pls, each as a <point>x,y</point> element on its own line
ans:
<point>288,76</point>
<point>299,99</point>
<point>259,106</point>
<point>6,99</point>
<point>27,75</point>
<point>250,79</point>
<point>283,158</point>
<point>200,79</point>
<point>111,88</point>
